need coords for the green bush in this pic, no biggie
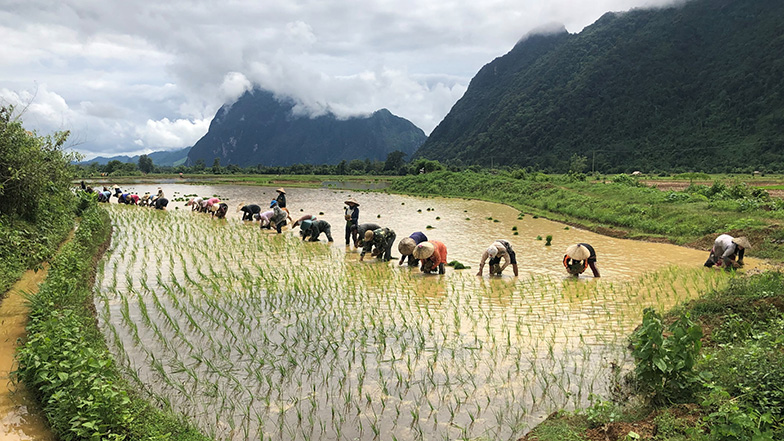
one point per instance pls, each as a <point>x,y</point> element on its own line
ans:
<point>664,365</point>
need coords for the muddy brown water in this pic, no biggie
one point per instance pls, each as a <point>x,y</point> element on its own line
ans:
<point>466,226</point>
<point>20,417</point>
<point>251,333</point>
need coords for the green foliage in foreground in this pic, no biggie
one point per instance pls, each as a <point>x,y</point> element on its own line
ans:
<point>623,205</point>
<point>664,365</point>
<point>36,205</point>
<point>65,361</point>
<point>735,381</point>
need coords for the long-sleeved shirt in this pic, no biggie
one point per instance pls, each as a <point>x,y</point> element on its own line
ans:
<point>439,255</point>
<point>381,238</point>
<point>501,245</point>
<point>724,248</point>
<point>316,228</point>
<point>362,228</point>
<point>278,215</point>
<point>352,214</point>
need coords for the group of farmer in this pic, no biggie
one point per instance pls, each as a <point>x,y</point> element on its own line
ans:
<point>416,249</point>
<point>157,201</point>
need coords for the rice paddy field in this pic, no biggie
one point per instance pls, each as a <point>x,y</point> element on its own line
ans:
<point>254,335</point>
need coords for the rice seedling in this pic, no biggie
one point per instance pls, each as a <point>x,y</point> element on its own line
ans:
<point>259,340</point>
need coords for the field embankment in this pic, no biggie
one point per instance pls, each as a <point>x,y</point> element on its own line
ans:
<point>64,360</point>
<point>623,207</point>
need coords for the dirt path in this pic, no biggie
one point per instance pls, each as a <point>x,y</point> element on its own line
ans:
<point>20,418</point>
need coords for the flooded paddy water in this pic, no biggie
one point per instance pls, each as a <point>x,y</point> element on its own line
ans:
<point>255,335</point>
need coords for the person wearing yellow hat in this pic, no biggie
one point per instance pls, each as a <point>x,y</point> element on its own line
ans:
<point>499,250</point>
<point>726,249</point>
<point>578,257</point>
<point>379,243</point>
<point>351,214</point>
<point>432,254</point>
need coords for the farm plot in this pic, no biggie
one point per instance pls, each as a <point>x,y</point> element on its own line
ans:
<point>262,336</point>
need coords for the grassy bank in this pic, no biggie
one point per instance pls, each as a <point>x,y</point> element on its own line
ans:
<point>26,244</point>
<point>622,206</point>
<point>65,361</point>
<point>732,391</point>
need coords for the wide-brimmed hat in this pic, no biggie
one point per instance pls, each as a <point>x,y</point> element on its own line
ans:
<point>115,186</point>
<point>281,190</point>
<point>369,235</point>
<point>742,241</point>
<point>406,246</point>
<point>578,252</point>
<point>351,201</point>
<point>424,250</point>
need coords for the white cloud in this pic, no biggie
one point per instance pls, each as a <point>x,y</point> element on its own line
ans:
<point>121,75</point>
<point>166,135</point>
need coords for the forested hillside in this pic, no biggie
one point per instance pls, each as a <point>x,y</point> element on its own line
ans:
<point>260,128</point>
<point>690,87</point>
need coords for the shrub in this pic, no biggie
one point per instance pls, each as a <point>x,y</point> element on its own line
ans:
<point>664,365</point>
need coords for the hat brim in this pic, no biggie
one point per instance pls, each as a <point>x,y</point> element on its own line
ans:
<point>742,241</point>
<point>424,250</point>
<point>578,252</point>
<point>281,190</point>
<point>406,247</point>
<point>351,202</point>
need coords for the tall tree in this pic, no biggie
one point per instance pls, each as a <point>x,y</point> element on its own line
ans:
<point>145,164</point>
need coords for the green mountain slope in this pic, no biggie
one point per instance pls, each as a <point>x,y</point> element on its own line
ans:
<point>260,129</point>
<point>691,87</point>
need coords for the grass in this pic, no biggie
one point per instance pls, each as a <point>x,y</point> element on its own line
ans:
<point>623,209</point>
<point>739,394</point>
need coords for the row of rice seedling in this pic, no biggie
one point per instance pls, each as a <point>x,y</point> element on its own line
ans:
<point>256,335</point>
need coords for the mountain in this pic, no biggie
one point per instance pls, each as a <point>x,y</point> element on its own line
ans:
<point>260,129</point>
<point>689,87</point>
<point>161,158</point>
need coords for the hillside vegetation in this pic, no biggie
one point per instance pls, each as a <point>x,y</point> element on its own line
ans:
<point>691,87</point>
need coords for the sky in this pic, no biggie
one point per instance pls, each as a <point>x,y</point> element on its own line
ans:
<point>130,77</point>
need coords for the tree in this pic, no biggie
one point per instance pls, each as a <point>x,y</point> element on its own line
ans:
<point>32,168</point>
<point>342,168</point>
<point>216,167</point>
<point>577,163</point>
<point>394,161</point>
<point>145,164</point>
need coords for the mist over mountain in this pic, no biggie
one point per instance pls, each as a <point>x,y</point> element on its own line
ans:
<point>689,87</point>
<point>260,128</point>
<point>160,158</point>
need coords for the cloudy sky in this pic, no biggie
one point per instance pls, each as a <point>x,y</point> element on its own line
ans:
<point>131,77</point>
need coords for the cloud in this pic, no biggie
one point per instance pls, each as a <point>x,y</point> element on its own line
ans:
<point>166,135</point>
<point>121,75</point>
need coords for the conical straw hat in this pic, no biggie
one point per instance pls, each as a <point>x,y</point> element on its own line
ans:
<point>281,190</point>
<point>424,250</point>
<point>351,201</point>
<point>406,246</point>
<point>742,241</point>
<point>578,252</point>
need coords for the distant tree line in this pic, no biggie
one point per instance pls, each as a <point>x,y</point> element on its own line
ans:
<point>395,164</point>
